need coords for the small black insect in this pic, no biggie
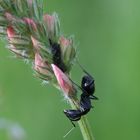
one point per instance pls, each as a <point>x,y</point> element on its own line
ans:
<point>88,89</point>
<point>57,59</point>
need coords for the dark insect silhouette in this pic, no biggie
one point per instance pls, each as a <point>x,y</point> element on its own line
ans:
<point>88,89</point>
<point>57,59</point>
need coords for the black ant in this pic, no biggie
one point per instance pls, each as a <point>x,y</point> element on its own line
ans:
<point>56,52</point>
<point>88,89</point>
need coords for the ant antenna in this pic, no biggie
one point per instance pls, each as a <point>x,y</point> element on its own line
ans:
<point>82,68</point>
<point>76,84</point>
<point>69,132</point>
<point>78,87</point>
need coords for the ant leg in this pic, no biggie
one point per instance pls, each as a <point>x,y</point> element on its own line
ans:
<point>65,112</point>
<point>93,97</point>
<point>73,123</point>
<point>82,68</point>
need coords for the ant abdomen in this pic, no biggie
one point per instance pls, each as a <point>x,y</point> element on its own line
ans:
<point>73,115</point>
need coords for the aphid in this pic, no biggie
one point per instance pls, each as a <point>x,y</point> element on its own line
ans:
<point>57,59</point>
<point>88,89</point>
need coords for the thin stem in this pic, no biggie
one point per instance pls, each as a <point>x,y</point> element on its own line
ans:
<point>85,129</point>
<point>83,123</point>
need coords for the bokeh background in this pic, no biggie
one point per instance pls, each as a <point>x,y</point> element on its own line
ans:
<point>107,36</point>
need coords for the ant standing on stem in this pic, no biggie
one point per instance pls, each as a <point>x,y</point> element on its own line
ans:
<point>88,89</point>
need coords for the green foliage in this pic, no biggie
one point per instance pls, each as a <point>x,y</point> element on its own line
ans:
<point>108,36</point>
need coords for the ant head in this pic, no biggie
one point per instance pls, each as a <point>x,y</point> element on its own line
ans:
<point>88,85</point>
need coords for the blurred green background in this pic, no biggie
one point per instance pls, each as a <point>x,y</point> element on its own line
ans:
<point>107,34</point>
